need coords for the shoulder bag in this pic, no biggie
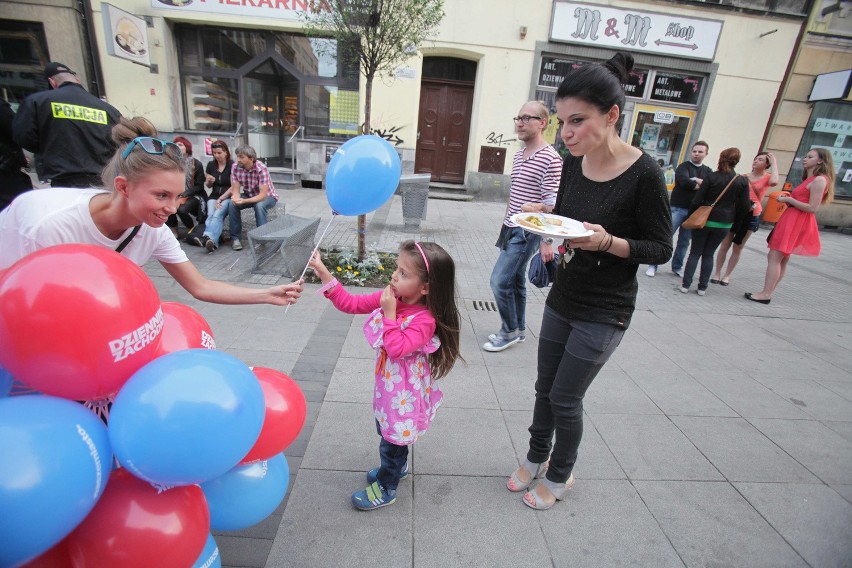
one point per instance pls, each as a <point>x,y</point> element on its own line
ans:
<point>699,217</point>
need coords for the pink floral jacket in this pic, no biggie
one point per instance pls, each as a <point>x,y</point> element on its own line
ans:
<point>405,396</point>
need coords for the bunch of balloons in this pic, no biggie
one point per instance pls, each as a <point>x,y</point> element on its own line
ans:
<point>193,440</point>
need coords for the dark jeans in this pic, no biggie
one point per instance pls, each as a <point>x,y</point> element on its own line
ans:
<point>191,208</point>
<point>570,355</point>
<point>704,244</point>
<point>393,459</point>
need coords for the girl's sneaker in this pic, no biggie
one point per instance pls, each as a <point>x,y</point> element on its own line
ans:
<point>373,474</point>
<point>372,497</point>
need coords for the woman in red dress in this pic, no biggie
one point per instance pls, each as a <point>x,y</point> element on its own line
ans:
<point>796,231</point>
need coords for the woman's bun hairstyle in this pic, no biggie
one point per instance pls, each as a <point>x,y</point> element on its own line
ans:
<point>138,162</point>
<point>620,64</point>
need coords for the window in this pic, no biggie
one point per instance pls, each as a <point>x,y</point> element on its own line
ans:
<point>830,127</point>
<point>23,55</point>
<point>330,112</point>
<point>212,103</point>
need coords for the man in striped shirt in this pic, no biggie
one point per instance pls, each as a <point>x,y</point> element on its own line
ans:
<point>536,170</point>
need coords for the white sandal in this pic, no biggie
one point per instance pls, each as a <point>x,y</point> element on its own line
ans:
<point>515,485</point>
<point>532,499</point>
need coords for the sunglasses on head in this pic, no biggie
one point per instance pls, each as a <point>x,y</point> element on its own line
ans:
<point>216,145</point>
<point>150,145</point>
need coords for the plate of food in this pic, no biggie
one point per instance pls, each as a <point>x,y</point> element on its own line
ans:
<point>549,225</point>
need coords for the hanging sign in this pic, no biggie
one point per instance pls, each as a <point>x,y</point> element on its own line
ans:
<point>126,35</point>
<point>635,30</point>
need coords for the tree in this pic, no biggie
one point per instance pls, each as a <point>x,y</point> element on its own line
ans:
<point>378,35</point>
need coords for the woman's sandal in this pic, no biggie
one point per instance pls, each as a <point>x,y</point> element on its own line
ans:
<point>533,500</point>
<point>516,485</point>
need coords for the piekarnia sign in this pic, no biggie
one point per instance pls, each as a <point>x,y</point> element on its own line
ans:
<point>634,30</point>
<point>275,9</point>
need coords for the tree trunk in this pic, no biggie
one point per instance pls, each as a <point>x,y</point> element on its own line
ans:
<point>362,219</point>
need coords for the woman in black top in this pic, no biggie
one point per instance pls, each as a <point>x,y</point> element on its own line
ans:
<point>218,171</point>
<point>620,194</point>
<point>194,197</point>
<point>731,209</point>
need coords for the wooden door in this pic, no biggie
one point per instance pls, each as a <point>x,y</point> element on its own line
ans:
<point>443,131</point>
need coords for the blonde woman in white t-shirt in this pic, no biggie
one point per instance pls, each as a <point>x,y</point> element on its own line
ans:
<point>147,177</point>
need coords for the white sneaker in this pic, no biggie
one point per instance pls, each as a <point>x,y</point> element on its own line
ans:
<point>500,344</point>
<point>701,292</point>
<point>652,271</point>
<point>237,245</point>
<point>684,290</point>
<point>522,336</point>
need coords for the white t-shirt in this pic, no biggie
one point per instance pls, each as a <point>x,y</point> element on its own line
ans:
<point>47,217</point>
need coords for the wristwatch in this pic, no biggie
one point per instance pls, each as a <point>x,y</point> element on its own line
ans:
<point>548,241</point>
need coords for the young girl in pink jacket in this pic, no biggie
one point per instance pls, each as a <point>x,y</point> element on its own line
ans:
<point>414,328</point>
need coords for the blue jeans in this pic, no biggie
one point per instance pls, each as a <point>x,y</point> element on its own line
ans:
<point>216,220</point>
<point>393,459</point>
<point>235,220</point>
<point>679,215</point>
<point>508,279</point>
<point>571,353</point>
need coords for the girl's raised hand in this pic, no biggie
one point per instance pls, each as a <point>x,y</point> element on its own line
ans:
<point>388,303</point>
<point>319,268</point>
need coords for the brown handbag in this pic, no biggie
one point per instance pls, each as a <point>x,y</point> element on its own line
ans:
<point>699,217</point>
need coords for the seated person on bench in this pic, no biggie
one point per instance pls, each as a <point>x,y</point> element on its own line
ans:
<point>251,186</point>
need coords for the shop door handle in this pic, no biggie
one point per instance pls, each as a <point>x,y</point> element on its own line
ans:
<point>443,141</point>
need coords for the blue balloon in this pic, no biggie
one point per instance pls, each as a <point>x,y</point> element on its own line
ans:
<point>362,175</point>
<point>247,494</point>
<point>55,460</point>
<point>209,557</point>
<point>186,417</point>
<point>6,381</point>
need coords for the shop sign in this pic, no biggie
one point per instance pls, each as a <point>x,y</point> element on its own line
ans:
<point>126,35</point>
<point>272,9</point>
<point>676,88</point>
<point>664,117</point>
<point>554,70</point>
<point>635,30</point>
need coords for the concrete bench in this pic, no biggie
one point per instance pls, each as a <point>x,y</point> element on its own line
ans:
<point>293,236</point>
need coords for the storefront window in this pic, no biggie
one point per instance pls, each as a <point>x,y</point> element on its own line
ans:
<point>212,103</point>
<point>830,127</point>
<point>330,112</point>
<point>23,55</point>
<point>661,133</point>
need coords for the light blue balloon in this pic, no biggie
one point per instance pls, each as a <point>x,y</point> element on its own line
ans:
<point>247,494</point>
<point>362,175</point>
<point>55,460</point>
<point>210,557</point>
<point>186,417</point>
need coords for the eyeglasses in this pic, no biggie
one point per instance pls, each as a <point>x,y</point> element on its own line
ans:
<point>526,118</point>
<point>217,145</point>
<point>150,145</point>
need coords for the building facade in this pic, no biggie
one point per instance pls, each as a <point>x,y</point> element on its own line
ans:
<point>243,71</point>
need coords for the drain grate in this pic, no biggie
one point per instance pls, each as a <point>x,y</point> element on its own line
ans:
<point>484,306</point>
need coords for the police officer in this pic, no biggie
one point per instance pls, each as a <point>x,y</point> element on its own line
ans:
<point>68,127</point>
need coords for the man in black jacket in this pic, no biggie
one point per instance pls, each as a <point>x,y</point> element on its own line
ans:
<point>688,178</point>
<point>13,181</point>
<point>68,127</point>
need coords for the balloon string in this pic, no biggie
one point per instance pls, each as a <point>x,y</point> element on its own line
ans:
<point>316,248</point>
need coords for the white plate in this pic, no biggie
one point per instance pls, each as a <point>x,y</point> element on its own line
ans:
<point>566,229</point>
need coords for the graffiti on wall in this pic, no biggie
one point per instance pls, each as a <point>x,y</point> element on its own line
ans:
<point>494,138</point>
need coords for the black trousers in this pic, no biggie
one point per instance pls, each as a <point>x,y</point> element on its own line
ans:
<point>571,353</point>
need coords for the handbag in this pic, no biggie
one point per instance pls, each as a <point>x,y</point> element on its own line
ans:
<point>541,273</point>
<point>699,217</point>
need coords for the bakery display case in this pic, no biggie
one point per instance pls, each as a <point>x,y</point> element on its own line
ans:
<point>213,104</point>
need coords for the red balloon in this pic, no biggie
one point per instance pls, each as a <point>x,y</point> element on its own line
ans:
<point>56,557</point>
<point>77,320</point>
<point>184,328</point>
<point>286,409</point>
<point>135,525</point>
